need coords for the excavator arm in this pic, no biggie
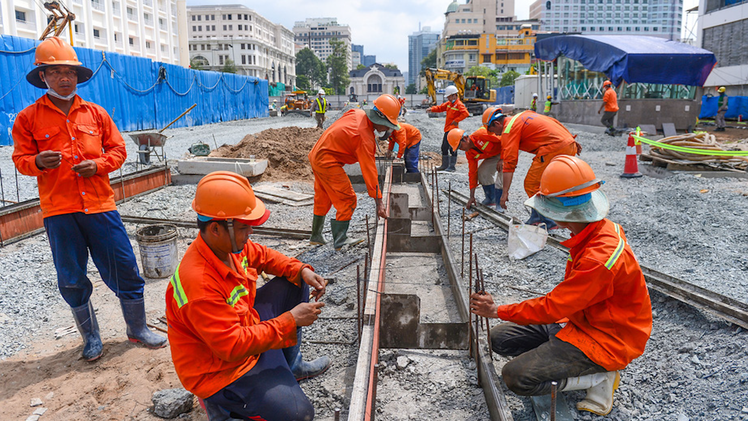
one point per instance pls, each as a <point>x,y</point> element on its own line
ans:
<point>57,21</point>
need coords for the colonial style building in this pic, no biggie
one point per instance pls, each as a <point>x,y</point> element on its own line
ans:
<point>376,80</point>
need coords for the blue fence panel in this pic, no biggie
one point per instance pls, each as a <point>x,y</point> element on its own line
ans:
<point>139,94</point>
<point>505,95</point>
<point>737,106</point>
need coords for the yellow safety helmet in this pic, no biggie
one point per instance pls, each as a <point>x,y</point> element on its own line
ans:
<point>721,89</point>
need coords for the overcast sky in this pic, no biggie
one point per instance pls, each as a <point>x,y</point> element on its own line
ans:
<point>382,26</point>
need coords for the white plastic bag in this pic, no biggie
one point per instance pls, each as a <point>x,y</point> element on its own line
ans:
<point>525,240</point>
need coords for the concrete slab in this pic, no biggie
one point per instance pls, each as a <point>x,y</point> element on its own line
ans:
<point>286,197</point>
<point>669,129</point>
<point>648,129</point>
<point>206,165</point>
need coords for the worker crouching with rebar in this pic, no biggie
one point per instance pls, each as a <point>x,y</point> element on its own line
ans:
<point>596,321</point>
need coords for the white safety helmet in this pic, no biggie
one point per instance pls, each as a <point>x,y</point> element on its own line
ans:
<point>534,95</point>
<point>321,92</point>
<point>451,90</point>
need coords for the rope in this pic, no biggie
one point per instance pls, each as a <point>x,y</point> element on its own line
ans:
<point>231,90</point>
<point>18,52</point>
<point>663,144</point>
<point>26,71</point>
<point>188,89</point>
<point>122,79</point>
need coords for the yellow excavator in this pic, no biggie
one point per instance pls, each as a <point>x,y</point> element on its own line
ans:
<point>59,18</point>
<point>474,91</point>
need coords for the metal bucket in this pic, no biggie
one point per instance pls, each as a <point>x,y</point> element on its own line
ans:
<point>158,250</point>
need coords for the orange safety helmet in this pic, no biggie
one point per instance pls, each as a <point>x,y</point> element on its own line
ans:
<point>56,52</point>
<point>385,112</point>
<point>607,83</point>
<point>491,114</point>
<point>225,195</point>
<point>454,137</point>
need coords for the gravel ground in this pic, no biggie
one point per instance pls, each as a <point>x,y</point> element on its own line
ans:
<point>690,227</point>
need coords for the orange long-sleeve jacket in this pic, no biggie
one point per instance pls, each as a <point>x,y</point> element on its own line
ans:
<point>486,145</point>
<point>610,98</point>
<point>455,113</point>
<point>534,133</point>
<point>348,140</point>
<point>407,136</point>
<point>215,334</point>
<point>87,132</point>
<point>603,295</point>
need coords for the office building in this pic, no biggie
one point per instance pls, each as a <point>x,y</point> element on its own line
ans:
<point>420,44</point>
<point>721,28</point>
<point>316,33</point>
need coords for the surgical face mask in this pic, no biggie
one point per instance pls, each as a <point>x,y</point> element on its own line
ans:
<point>384,134</point>
<point>52,92</point>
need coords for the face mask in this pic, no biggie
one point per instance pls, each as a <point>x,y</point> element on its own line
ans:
<point>379,134</point>
<point>52,92</point>
<point>453,100</point>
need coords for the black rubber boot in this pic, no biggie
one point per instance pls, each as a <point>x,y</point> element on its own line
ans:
<point>452,163</point>
<point>85,320</point>
<point>445,163</point>
<point>300,368</point>
<point>137,330</point>
<point>490,193</point>
<point>340,234</point>
<point>317,239</point>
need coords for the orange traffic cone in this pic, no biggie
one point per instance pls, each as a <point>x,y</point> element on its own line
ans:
<point>631,168</point>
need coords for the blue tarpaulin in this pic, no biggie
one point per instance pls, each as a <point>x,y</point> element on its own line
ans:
<point>633,59</point>
<point>737,106</point>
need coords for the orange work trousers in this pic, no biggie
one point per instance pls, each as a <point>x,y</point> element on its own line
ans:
<point>532,179</point>
<point>333,188</point>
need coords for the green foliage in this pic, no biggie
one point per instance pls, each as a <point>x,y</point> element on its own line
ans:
<point>196,64</point>
<point>483,71</point>
<point>424,90</point>
<point>302,81</point>
<point>360,66</point>
<point>391,66</point>
<point>410,89</point>
<point>229,66</point>
<point>508,78</point>
<point>337,66</point>
<point>428,62</point>
<point>308,65</point>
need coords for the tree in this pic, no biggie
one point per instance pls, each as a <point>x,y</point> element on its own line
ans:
<point>391,66</point>
<point>360,66</point>
<point>229,66</point>
<point>410,89</point>
<point>483,71</point>
<point>338,67</point>
<point>196,64</point>
<point>302,81</point>
<point>428,62</point>
<point>308,65</point>
<point>508,78</point>
<point>424,90</point>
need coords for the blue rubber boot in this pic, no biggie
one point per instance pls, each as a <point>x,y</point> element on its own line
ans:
<point>497,195</point>
<point>137,329</point>
<point>549,223</point>
<point>300,368</point>
<point>85,320</point>
<point>490,193</point>
<point>535,218</point>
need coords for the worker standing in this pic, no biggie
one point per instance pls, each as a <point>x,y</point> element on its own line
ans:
<point>484,146</point>
<point>534,103</point>
<point>319,108</point>
<point>548,105</point>
<point>351,139</point>
<point>236,346</point>
<point>721,109</point>
<point>408,140</point>
<point>610,104</point>
<point>603,300</point>
<point>71,146</point>
<point>534,133</point>
<point>456,112</point>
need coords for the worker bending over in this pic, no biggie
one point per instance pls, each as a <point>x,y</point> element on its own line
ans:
<point>349,140</point>
<point>456,112</point>
<point>486,146</point>
<point>236,346</point>
<point>71,146</point>
<point>537,134</point>
<point>603,300</point>
<point>319,108</point>
<point>610,104</point>
<point>408,140</point>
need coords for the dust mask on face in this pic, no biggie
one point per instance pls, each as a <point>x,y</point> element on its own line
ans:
<point>52,92</point>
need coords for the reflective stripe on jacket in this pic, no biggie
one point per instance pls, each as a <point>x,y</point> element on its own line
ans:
<point>533,133</point>
<point>603,295</point>
<point>547,107</point>
<point>486,145</point>
<point>455,113</point>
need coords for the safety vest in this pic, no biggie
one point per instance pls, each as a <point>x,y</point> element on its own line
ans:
<point>321,106</point>
<point>721,100</point>
<point>548,106</point>
<point>534,104</point>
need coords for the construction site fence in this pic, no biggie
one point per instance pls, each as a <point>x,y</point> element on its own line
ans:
<point>138,93</point>
<point>737,107</point>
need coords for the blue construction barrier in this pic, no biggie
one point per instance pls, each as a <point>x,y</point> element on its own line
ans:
<point>139,93</point>
<point>505,95</point>
<point>737,106</point>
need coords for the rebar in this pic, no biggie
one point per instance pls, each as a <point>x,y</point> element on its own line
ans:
<point>462,255</point>
<point>470,292</point>
<point>368,236</point>
<point>337,414</point>
<point>358,300</point>
<point>488,323</point>
<point>18,190</point>
<point>2,190</point>
<point>554,394</point>
<point>449,208</point>
<point>436,181</point>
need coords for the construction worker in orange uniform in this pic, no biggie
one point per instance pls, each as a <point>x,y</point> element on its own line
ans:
<point>71,146</point>
<point>349,140</point>
<point>610,104</point>
<point>236,346</point>
<point>486,146</point>
<point>408,140</point>
<point>537,134</point>
<point>603,300</point>
<point>456,112</point>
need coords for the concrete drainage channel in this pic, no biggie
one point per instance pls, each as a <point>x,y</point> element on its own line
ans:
<point>415,326</point>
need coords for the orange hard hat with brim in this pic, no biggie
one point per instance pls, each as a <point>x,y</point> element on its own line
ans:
<point>56,52</point>
<point>226,195</point>
<point>454,137</point>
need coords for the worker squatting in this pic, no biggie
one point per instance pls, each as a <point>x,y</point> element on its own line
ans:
<point>235,345</point>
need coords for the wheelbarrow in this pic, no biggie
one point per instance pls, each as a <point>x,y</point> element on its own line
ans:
<point>153,142</point>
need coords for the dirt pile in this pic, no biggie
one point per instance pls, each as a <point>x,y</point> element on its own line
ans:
<point>285,149</point>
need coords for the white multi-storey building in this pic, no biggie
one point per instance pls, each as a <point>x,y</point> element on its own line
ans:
<point>316,33</point>
<point>658,18</point>
<point>155,29</point>
<point>234,32</point>
<point>722,26</point>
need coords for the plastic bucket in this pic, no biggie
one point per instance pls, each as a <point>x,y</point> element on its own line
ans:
<point>158,250</point>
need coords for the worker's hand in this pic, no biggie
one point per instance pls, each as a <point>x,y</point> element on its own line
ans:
<point>504,198</point>
<point>483,305</point>
<point>598,111</point>
<point>381,210</point>
<point>470,202</point>
<point>389,154</point>
<point>305,314</point>
<point>500,167</point>
<point>86,168</point>
<point>315,281</point>
<point>48,160</point>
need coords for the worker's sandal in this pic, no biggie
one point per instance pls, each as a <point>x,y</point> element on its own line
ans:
<point>85,320</point>
<point>600,389</point>
<point>137,329</point>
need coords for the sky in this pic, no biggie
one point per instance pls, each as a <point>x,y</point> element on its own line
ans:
<point>381,26</point>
